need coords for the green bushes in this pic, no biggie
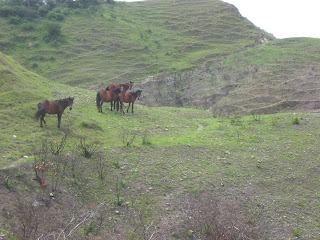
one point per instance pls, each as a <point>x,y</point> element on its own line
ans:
<point>6,11</point>
<point>52,31</point>
<point>14,20</point>
<point>27,26</point>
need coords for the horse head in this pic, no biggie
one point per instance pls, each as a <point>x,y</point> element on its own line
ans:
<point>130,84</point>
<point>139,94</point>
<point>70,102</point>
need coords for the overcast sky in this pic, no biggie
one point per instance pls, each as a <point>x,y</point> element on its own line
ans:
<point>282,18</point>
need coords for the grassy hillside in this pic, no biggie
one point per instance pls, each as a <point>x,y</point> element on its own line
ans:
<point>281,75</point>
<point>129,41</point>
<point>163,172</point>
<point>257,172</point>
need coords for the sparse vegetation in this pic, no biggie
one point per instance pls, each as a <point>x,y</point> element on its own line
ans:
<point>192,175</point>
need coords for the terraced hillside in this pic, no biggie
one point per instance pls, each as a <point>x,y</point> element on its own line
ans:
<point>281,75</point>
<point>129,41</point>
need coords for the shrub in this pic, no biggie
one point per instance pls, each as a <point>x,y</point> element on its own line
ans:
<point>296,120</point>
<point>35,65</point>
<point>55,16</point>
<point>43,10</point>
<point>296,232</point>
<point>206,218</point>
<point>88,149</point>
<point>89,229</point>
<point>14,20</point>
<point>27,27</point>
<point>236,120</point>
<point>66,11</point>
<point>26,12</point>
<point>52,31</point>
<point>6,11</point>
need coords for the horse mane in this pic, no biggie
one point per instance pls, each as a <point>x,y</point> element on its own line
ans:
<point>63,101</point>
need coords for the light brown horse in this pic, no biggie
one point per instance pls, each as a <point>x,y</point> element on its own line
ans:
<point>108,96</point>
<point>53,107</point>
<point>128,97</point>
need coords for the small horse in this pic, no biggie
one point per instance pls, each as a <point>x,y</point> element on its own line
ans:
<point>108,96</point>
<point>53,107</point>
<point>129,98</point>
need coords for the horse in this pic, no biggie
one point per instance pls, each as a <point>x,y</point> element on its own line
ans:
<point>125,86</point>
<point>130,98</point>
<point>53,107</point>
<point>108,96</point>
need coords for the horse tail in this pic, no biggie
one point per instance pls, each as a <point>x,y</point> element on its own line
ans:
<point>98,100</point>
<point>39,112</point>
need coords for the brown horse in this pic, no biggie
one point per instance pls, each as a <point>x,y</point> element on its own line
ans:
<point>125,86</point>
<point>53,107</point>
<point>108,96</point>
<point>128,98</point>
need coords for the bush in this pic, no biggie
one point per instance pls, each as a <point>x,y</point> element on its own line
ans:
<point>14,20</point>
<point>26,12</point>
<point>27,27</point>
<point>52,31</point>
<point>43,10</point>
<point>66,11</point>
<point>207,218</point>
<point>6,11</point>
<point>296,120</point>
<point>55,16</point>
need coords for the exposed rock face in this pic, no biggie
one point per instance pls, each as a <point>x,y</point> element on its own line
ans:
<point>226,90</point>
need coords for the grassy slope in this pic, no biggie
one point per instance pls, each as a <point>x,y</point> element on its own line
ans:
<point>267,162</point>
<point>130,41</point>
<point>281,75</point>
<point>277,76</point>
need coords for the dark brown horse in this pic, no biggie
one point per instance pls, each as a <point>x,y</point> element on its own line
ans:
<point>107,96</point>
<point>128,97</point>
<point>53,107</point>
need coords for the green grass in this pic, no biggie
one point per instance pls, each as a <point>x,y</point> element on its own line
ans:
<point>128,41</point>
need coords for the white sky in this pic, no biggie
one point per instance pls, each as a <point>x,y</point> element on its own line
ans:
<point>282,18</point>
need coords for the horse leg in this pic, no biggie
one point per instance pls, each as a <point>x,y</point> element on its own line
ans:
<point>132,107</point>
<point>121,107</point>
<point>128,107</point>
<point>114,105</point>
<point>59,119</point>
<point>42,120</point>
<point>100,110</point>
<point>111,105</point>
